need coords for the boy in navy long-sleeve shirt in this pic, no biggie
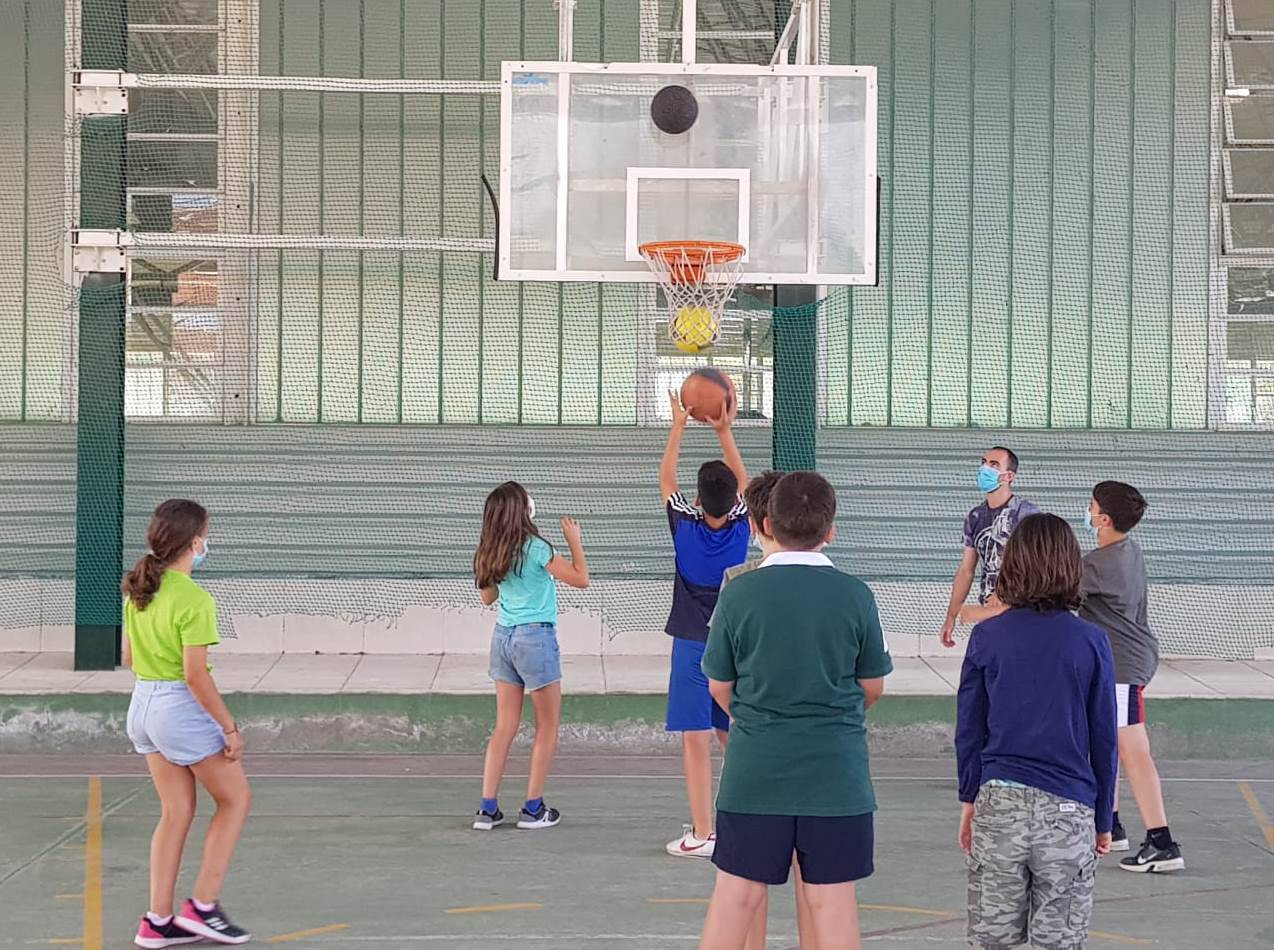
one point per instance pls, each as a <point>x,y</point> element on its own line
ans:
<point>1037,749</point>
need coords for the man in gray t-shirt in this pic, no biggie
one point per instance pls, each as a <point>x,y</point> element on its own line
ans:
<point>1115,592</point>
<point>986,531</point>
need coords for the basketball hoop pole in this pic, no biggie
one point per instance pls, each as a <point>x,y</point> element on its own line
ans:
<point>802,28</point>
<point>565,30</point>
<point>689,30</point>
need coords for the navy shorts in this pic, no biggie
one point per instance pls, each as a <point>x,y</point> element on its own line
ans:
<point>691,707</point>
<point>759,848</point>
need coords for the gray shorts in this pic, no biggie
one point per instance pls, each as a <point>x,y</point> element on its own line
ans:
<point>526,655</point>
<point>165,717</point>
<point>1031,869</point>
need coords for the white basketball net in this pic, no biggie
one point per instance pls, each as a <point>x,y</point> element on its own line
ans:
<point>698,279</point>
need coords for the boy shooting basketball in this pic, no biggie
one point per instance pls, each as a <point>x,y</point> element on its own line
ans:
<point>707,537</point>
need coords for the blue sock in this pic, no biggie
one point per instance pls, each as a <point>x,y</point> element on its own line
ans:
<point>490,806</point>
<point>533,806</point>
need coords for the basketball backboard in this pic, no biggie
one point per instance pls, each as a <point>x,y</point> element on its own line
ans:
<point>780,159</point>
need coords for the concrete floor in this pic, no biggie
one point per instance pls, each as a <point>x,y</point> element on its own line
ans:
<point>375,851</point>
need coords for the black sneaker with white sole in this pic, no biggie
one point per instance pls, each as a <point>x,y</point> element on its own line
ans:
<point>1119,838</point>
<point>485,820</point>
<point>1150,859</point>
<point>212,924</point>
<point>545,818</point>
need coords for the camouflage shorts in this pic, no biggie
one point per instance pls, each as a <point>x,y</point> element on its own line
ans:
<point>1031,870</point>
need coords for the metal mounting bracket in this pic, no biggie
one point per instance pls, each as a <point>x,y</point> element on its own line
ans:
<point>100,91</point>
<point>100,251</point>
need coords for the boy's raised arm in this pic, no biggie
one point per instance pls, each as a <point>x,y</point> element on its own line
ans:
<point>729,449</point>
<point>672,451</point>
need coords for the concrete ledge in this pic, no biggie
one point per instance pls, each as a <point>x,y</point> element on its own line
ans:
<point>616,723</point>
<point>614,617</point>
<point>583,673</point>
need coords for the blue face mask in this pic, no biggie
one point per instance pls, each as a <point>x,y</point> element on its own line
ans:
<point>988,479</point>
<point>1088,523</point>
<point>201,556</point>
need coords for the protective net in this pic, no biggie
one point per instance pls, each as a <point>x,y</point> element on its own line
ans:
<point>317,349</point>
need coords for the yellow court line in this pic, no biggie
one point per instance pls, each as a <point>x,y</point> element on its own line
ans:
<point>93,867</point>
<point>908,910</point>
<point>492,908</point>
<point>1258,813</point>
<point>312,932</point>
<point>1120,938</point>
<point>676,900</point>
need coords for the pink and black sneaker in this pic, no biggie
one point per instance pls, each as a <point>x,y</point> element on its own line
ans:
<point>155,936</point>
<point>210,924</point>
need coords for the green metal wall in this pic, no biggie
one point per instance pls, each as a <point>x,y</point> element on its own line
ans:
<point>1043,231</point>
<point>419,337</point>
<point>33,339</point>
<point>1043,235</point>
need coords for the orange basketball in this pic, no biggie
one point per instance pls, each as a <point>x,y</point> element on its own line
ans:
<point>707,393</point>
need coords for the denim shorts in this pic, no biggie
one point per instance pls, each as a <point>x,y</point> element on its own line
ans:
<point>526,655</point>
<point>165,717</point>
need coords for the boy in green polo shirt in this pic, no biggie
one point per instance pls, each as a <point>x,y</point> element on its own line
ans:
<point>796,653</point>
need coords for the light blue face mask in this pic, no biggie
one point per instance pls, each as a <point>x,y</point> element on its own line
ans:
<point>201,556</point>
<point>1088,523</point>
<point>988,479</point>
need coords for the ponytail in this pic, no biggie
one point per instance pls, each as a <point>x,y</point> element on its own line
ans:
<point>142,582</point>
<point>173,529</point>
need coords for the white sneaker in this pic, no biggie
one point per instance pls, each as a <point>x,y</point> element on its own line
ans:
<point>688,846</point>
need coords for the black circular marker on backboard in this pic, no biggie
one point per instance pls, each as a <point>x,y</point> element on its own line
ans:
<point>674,109</point>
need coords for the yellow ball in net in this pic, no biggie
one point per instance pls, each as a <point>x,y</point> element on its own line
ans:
<point>694,329</point>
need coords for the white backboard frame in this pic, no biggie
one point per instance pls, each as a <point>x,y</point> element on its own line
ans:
<point>811,275</point>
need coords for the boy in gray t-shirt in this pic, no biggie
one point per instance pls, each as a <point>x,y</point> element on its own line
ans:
<point>1115,598</point>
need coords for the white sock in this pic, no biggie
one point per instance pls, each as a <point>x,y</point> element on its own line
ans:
<point>201,906</point>
<point>159,921</point>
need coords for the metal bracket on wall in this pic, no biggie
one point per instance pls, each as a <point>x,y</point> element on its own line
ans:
<point>101,91</point>
<point>100,251</point>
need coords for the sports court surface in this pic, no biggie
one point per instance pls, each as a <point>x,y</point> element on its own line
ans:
<point>354,851</point>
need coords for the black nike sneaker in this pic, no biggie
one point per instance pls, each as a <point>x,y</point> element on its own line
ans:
<point>1154,860</point>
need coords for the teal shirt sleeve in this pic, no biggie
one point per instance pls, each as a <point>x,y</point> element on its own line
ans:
<point>874,660</point>
<point>718,655</point>
<point>539,553</point>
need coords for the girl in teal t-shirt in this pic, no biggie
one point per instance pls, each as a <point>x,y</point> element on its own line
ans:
<point>178,720</point>
<point>517,568</point>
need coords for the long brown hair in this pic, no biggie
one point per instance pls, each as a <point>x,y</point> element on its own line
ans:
<point>506,527</point>
<point>173,528</point>
<point>1042,566</point>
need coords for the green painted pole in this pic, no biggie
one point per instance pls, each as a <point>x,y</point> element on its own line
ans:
<point>795,335</point>
<point>99,492</point>
<point>795,332</point>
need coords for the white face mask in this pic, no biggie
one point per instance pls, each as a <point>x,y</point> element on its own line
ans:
<point>530,505</point>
